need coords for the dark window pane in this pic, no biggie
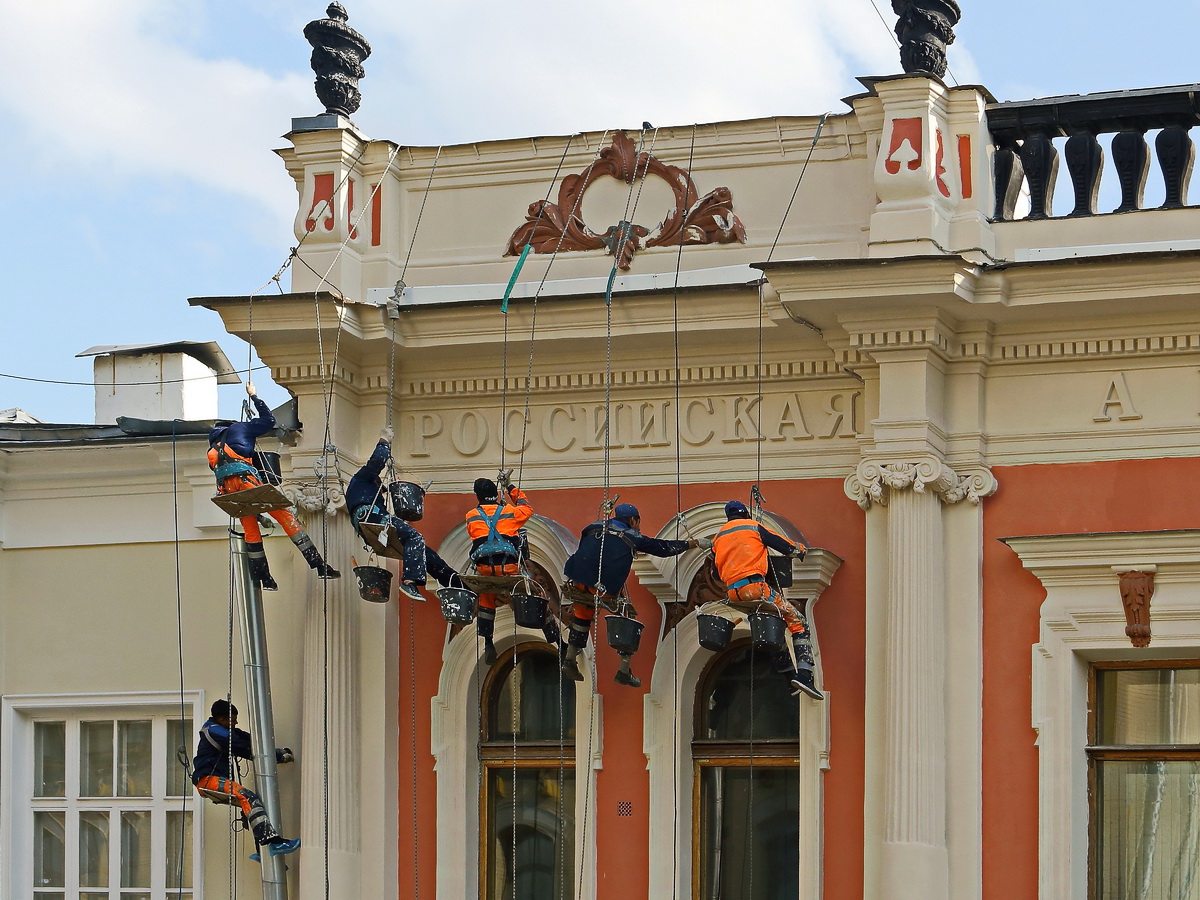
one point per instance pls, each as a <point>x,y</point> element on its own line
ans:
<point>134,750</point>
<point>49,849</point>
<point>1148,832</point>
<point>1148,706</point>
<point>749,833</point>
<point>96,759</point>
<point>49,759</point>
<point>536,685</point>
<point>544,852</point>
<point>179,734</point>
<point>93,849</point>
<point>734,703</point>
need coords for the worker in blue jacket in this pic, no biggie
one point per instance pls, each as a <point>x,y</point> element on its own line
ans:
<point>365,499</point>
<point>231,457</point>
<point>598,569</point>
<point>222,743</point>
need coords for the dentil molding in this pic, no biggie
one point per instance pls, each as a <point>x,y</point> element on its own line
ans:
<point>873,480</point>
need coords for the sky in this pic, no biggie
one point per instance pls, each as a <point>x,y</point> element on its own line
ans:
<point>137,135</point>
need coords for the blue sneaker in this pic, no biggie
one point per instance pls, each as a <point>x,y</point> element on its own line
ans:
<point>284,847</point>
<point>254,856</point>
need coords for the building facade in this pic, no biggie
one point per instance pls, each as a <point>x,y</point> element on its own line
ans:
<point>981,415</point>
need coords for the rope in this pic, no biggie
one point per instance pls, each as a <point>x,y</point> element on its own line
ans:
<point>795,190</point>
<point>92,384</point>
<point>515,689</point>
<point>179,639</point>
<point>412,699</point>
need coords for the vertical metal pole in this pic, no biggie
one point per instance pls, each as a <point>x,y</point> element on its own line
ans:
<point>262,721</point>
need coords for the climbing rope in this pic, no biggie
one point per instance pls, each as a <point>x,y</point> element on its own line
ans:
<point>183,734</point>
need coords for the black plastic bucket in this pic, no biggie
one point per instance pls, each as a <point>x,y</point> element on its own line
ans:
<point>529,610</point>
<point>624,633</point>
<point>780,573</point>
<point>408,500</point>
<point>374,583</point>
<point>714,631</point>
<point>458,605</point>
<point>767,630</point>
<point>268,465</point>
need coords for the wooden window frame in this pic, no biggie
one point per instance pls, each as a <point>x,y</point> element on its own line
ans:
<point>498,754</point>
<point>715,753</point>
<point>1098,753</point>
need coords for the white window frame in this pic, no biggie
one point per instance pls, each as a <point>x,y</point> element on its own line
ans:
<point>18,713</point>
<point>670,706</point>
<point>1083,620</point>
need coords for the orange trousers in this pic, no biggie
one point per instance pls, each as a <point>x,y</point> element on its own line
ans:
<point>488,601</point>
<point>761,592</point>
<point>245,798</point>
<point>291,525</point>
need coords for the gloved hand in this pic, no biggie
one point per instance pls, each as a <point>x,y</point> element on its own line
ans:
<point>704,543</point>
<point>387,434</point>
<point>284,755</point>
<point>250,388</point>
<point>797,553</point>
<point>505,479</point>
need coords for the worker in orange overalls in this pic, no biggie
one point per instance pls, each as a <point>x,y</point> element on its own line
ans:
<point>740,547</point>
<point>495,532</point>
<point>231,457</point>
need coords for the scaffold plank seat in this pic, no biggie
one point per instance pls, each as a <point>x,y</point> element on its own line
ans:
<point>252,501</point>
<point>218,797</point>
<point>573,594</point>
<point>503,585</point>
<point>371,533</point>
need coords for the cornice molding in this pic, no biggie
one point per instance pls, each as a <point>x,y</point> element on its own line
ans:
<point>874,480</point>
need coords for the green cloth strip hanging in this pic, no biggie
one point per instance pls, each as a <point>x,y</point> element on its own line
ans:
<point>512,282</point>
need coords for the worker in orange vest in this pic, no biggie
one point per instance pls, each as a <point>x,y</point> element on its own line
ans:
<point>231,457</point>
<point>740,548</point>
<point>495,532</point>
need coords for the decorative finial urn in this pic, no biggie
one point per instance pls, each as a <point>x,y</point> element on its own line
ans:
<point>925,29</point>
<point>338,52</point>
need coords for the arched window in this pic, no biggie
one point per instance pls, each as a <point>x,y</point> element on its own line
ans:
<point>745,750</point>
<point>527,751</point>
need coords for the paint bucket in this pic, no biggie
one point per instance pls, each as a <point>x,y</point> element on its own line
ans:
<point>529,610</point>
<point>374,583</point>
<point>624,633</point>
<point>268,465</point>
<point>779,571</point>
<point>458,605</point>
<point>408,500</point>
<point>767,630</point>
<point>714,631</point>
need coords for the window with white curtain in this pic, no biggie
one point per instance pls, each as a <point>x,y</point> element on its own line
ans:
<point>1144,781</point>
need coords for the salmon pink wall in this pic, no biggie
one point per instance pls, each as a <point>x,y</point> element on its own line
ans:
<point>1131,495</point>
<point>828,519</point>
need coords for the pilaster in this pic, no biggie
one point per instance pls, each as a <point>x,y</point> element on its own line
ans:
<point>921,840</point>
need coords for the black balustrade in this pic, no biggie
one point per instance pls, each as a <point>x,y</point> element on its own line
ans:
<point>1024,133</point>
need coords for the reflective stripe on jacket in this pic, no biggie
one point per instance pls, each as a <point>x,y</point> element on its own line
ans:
<point>740,547</point>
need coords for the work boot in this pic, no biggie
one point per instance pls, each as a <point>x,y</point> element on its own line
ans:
<point>485,626</point>
<point>570,662</point>
<point>312,556</point>
<point>260,572</point>
<point>408,589</point>
<point>625,675</point>
<point>803,682</point>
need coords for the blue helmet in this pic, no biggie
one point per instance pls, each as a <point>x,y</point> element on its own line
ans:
<point>736,509</point>
<point>626,512</point>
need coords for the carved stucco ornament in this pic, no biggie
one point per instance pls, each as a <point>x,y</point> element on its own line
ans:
<point>315,497</point>
<point>872,481</point>
<point>1136,590</point>
<point>551,227</point>
<point>925,28</point>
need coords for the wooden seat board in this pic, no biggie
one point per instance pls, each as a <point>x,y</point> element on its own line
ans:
<point>370,533</point>
<point>254,501</point>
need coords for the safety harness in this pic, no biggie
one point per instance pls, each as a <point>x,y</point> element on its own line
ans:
<point>496,544</point>
<point>230,463</point>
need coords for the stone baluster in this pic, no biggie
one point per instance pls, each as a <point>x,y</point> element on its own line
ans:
<point>1131,158</point>
<point>1176,153</point>
<point>1040,159</point>
<point>1085,161</point>
<point>1009,175</point>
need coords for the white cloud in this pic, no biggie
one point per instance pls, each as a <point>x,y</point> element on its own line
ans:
<point>116,94</point>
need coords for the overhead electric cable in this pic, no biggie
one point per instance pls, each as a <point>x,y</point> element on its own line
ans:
<point>92,384</point>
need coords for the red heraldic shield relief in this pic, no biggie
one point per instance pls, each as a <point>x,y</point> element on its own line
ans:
<point>322,194</point>
<point>904,149</point>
